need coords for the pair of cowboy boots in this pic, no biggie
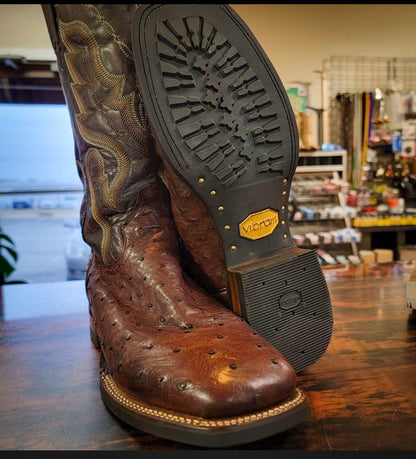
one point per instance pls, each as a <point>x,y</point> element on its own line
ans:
<point>201,304</point>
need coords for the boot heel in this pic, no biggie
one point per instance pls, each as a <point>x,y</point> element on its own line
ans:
<point>94,337</point>
<point>286,299</point>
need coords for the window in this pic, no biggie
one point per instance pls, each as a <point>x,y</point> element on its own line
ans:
<point>40,190</point>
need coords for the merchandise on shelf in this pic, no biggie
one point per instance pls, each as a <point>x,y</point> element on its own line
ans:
<point>354,259</point>
<point>384,220</point>
<point>341,236</point>
<point>322,218</point>
<point>326,257</point>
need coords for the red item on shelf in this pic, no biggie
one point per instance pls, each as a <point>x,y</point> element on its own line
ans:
<point>369,210</point>
<point>351,200</point>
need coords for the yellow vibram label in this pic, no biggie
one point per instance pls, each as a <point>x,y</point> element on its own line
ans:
<point>259,225</point>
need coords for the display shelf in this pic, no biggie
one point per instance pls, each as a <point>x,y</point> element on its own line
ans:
<point>324,244</point>
<point>318,220</point>
<point>322,161</point>
<point>375,222</point>
<point>386,228</point>
<point>316,172</point>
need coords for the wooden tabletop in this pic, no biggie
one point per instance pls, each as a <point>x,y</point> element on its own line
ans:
<point>362,391</point>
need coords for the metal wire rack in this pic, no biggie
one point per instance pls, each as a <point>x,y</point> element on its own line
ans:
<point>352,74</point>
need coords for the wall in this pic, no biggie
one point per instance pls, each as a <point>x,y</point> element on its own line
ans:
<point>296,37</point>
<point>23,32</point>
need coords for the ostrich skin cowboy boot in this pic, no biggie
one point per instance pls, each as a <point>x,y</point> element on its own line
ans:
<point>175,362</point>
<point>227,136</point>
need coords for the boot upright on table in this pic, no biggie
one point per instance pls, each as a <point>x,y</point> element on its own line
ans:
<point>175,362</point>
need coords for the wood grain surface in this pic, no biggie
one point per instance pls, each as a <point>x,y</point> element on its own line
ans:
<point>362,391</point>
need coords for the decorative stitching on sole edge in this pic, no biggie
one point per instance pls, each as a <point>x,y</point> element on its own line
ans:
<point>124,400</point>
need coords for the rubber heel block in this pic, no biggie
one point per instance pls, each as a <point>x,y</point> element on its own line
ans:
<point>286,299</point>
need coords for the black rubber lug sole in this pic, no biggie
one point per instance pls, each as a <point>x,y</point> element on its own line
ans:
<point>224,123</point>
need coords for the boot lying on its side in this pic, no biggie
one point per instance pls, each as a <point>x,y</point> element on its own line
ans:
<point>228,137</point>
<point>175,362</point>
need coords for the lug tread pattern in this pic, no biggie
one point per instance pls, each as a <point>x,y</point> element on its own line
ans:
<point>218,104</point>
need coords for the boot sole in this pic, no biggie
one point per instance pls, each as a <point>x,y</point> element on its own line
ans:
<point>211,433</point>
<point>223,120</point>
<point>192,430</point>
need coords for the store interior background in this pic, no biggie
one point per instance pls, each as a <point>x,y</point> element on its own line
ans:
<point>297,39</point>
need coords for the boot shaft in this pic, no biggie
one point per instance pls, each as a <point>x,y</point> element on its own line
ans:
<point>114,149</point>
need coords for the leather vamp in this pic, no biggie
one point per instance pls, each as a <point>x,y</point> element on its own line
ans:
<point>166,341</point>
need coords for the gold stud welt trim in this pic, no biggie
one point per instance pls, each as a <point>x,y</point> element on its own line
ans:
<point>123,399</point>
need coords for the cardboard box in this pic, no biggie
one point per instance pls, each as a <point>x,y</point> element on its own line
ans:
<point>384,255</point>
<point>407,252</point>
<point>368,256</point>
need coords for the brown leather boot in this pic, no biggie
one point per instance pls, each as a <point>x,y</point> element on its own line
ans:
<point>227,135</point>
<point>175,362</point>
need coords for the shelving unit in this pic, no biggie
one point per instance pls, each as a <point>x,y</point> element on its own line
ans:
<point>322,161</point>
<point>314,169</point>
